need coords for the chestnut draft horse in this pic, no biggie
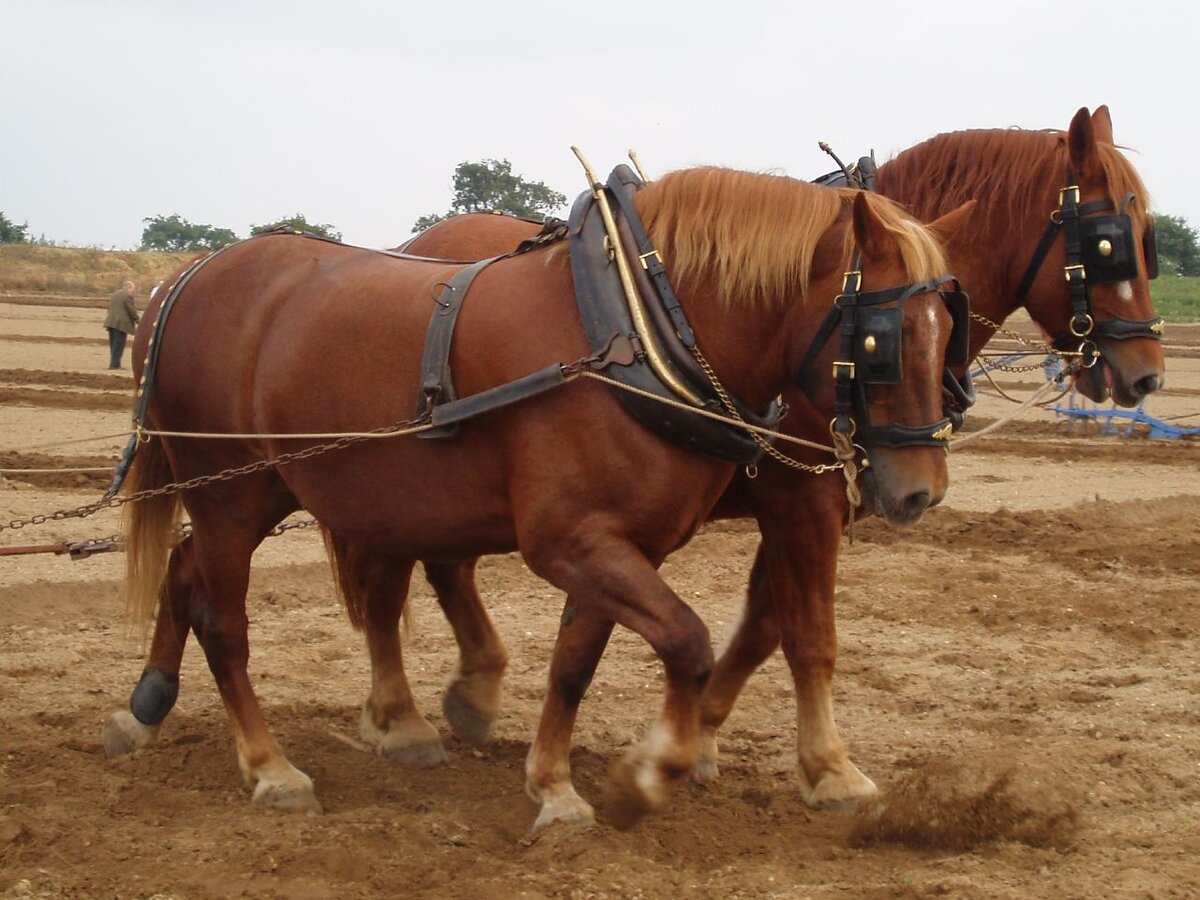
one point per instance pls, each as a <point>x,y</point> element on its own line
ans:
<point>287,335</point>
<point>1017,175</point>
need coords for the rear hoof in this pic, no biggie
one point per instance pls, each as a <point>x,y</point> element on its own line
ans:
<point>293,793</point>
<point>423,756</point>
<point>413,742</point>
<point>123,733</point>
<point>625,800</point>
<point>468,722</point>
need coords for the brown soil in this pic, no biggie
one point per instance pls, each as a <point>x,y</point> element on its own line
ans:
<point>1018,673</point>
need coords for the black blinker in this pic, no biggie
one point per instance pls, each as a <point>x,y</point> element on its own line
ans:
<point>958,351</point>
<point>880,330</point>
<point>1107,245</point>
<point>1150,250</point>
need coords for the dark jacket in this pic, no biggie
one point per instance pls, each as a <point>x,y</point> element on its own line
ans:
<point>122,314</point>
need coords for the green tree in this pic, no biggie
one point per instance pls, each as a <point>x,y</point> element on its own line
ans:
<point>173,233</point>
<point>298,223</point>
<point>489,185</point>
<point>11,233</point>
<point>1178,245</point>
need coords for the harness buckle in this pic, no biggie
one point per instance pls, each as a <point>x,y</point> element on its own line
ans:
<point>1069,270</point>
<point>1069,189</point>
<point>856,274</point>
<point>643,258</point>
<point>1086,329</point>
<point>847,365</point>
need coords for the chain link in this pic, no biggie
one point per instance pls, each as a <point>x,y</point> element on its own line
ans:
<point>81,512</point>
<point>768,449</point>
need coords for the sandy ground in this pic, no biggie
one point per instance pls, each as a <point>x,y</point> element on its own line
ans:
<point>1031,642</point>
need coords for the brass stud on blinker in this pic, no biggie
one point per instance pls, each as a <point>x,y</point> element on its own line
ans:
<point>869,344</point>
<point>1105,247</point>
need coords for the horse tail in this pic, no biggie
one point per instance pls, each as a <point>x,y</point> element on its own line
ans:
<point>149,532</point>
<point>350,578</point>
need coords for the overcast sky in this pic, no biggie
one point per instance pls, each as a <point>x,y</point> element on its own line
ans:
<point>355,113</point>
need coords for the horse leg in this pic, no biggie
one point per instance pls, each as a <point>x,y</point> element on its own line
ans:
<point>224,543</point>
<point>390,718</point>
<point>157,689</point>
<point>802,574</point>
<point>472,699</point>
<point>582,637</point>
<point>754,639</point>
<point>616,582</point>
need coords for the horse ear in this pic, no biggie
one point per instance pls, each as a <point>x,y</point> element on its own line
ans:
<point>1081,145</point>
<point>1102,125</point>
<point>948,226</point>
<point>869,232</point>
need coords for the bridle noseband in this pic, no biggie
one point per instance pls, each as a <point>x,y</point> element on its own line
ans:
<point>1100,250</point>
<point>870,353</point>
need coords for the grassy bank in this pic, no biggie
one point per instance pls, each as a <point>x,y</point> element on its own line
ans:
<point>27,269</point>
<point>1176,299</point>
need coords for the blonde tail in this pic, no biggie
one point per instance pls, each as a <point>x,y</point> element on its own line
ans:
<point>149,529</point>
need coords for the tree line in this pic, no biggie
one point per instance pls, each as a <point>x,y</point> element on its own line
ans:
<point>491,185</point>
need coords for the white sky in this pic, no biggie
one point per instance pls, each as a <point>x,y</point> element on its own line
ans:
<point>355,113</point>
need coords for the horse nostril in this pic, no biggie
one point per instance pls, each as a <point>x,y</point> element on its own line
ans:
<point>1147,385</point>
<point>916,503</point>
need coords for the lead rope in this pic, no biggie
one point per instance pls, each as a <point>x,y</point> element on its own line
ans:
<point>844,450</point>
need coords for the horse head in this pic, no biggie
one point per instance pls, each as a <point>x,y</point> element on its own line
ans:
<point>1107,248</point>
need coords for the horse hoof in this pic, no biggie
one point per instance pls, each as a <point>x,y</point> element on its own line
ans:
<point>294,794</point>
<point>841,791</point>
<point>626,801</point>
<point>706,771</point>
<point>468,722</point>
<point>123,733</point>
<point>561,805</point>
<point>423,756</point>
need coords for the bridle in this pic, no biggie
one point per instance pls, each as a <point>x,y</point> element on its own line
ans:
<point>870,353</point>
<point>1100,250</point>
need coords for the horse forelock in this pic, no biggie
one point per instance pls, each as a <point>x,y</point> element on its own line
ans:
<point>1014,174</point>
<point>754,236</point>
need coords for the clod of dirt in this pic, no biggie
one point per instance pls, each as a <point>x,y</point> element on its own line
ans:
<point>951,804</point>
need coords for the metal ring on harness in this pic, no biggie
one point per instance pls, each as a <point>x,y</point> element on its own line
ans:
<point>1089,324</point>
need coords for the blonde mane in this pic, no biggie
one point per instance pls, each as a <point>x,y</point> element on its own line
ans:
<point>755,235</point>
<point>1014,174</point>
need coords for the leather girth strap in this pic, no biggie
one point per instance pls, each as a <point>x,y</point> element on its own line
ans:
<point>604,312</point>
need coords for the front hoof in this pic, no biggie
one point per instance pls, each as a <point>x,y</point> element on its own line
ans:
<point>841,791</point>
<point>123,733</point>
<point>562,805</point>
<point>291,794</point>
<point>467,720</point>
<point>630,794</point>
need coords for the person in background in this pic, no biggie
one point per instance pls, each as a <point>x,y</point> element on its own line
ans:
<point>121,321</point>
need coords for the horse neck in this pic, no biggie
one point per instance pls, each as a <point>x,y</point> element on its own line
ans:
<point>744,344</point>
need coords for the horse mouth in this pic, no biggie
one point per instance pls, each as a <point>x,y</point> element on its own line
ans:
<point>1102,382</point>
<point>898,510</point>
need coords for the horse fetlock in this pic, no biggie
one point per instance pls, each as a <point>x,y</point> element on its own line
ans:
<point>123,733</point>
<point>411,741</point>
<point>154,696</point>
<point>471,705</point>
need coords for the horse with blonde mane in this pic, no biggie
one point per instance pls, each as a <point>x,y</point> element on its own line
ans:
<point>306,337</point>
<point>1018,176</point>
